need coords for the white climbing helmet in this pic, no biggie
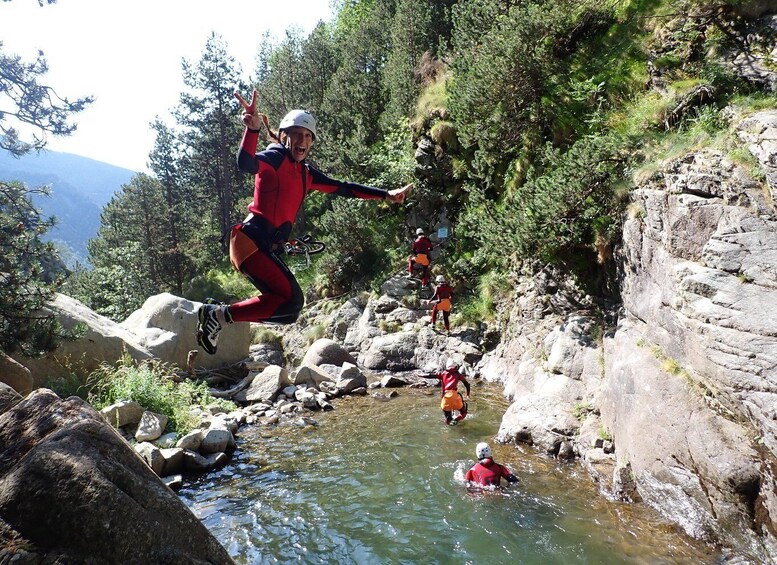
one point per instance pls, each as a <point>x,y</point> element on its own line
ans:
<point>451,363</point>
<point>299,118</point>
<point>419,231</point>
<point>439,279</point>
<point>482,451</point>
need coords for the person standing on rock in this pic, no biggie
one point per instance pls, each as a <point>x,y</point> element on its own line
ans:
<point>487,472</point>
<point>422,246</point>
<point>451,397</point>
<point>442,302</point>
<point>283,180</point>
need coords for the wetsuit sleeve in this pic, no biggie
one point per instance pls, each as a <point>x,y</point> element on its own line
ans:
<point>466,384</point>
<point>508,475</point>
<point>247,160</point>
<point>322,183</point>
<point>470,476</point>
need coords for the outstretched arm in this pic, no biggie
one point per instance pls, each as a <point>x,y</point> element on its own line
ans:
<point>397,195</point>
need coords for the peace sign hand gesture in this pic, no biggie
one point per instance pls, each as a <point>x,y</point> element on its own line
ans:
<point>250,117</point>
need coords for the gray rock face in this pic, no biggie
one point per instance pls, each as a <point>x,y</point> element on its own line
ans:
<point>689,462</point>
<point>103,341</point>
<point>685,383</point>
<point>107,507</point>
<point>166,326</point>
<point>699,277</point>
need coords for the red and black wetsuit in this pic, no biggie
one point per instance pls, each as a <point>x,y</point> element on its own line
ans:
<point>421,246</point>
<point>442,294</point>
<point>489,473</point>
<point>281,186</point>
<point>449,380</point>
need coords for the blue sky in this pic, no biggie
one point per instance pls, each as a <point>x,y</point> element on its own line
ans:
<point>128,55</point>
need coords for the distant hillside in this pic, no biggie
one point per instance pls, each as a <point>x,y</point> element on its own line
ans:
<point>80,187</point>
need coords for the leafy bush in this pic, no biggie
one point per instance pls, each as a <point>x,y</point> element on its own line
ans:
<point>568,203</point>
<point>149,385</point>
<point>224,284</point>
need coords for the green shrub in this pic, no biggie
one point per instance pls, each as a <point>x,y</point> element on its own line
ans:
<point>266,335</point>
<point>314,333</point>
<point>581,410</point>
<point>68,385</point>
<point>149,385</point>
<point>225,284</point>
<point>389,327</point>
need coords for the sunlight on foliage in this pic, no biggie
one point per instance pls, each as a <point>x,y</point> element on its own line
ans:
<point>148,385</point>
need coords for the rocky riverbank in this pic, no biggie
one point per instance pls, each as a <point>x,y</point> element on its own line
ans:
<point>665,391</point>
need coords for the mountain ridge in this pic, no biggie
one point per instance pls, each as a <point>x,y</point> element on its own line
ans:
<point>80,187</point>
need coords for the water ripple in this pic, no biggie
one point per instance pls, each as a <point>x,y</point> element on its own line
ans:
<point>386,485</point>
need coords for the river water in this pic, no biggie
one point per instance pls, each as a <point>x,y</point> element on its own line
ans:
<point>382,482</point>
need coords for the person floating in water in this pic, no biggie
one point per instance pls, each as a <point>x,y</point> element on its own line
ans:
<point>487,472</point>
<point>451,397</point>
<point>442,302</point>
<point>422,246</point>
<point>283,180</point>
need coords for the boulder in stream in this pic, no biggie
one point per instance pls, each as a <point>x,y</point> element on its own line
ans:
<point>73,491</point>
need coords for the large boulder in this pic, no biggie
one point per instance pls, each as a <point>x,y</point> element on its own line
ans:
<point>166,326</point>
<point>103,341</point>
<point>265,386</point>
<point>311,376</point>
<point>542,420</point>
<point>327,352</point>
<point>15,375</point>
<point>8,397</point>
<point>73,491</point>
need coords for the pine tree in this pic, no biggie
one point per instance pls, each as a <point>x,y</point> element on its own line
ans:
<point>30,273</point>
<point>128,251</point>
<point>212,129</point>
<point>30,270</point>
<point>167,160</point>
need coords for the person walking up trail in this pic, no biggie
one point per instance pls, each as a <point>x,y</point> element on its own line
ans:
<point>442,302</point>
<point>283,180</point>
<point>422,246</point>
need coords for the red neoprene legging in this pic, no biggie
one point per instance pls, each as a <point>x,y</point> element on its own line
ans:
<point>281,300</point>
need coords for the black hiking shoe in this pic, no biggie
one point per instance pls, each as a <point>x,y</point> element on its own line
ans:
<point>208,327</point>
